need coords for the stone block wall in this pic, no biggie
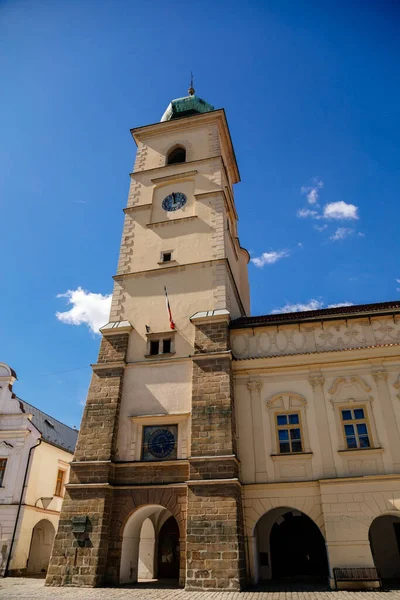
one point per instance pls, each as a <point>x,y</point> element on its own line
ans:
<point>215,549</point>
<point>213,415</point>
<point>97,435</point>
<point>211,337</point>
<point>79,559</point>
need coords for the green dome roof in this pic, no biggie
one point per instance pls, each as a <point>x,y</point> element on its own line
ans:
<point>184,107</point>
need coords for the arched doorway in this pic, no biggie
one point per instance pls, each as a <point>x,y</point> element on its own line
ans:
<point>150,546</point>
<point>290,546</point>
<point>384,539</point>
<point>168,550</point>
<point>41,546</point>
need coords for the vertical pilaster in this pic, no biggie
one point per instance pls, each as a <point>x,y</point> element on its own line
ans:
<point>380,377</point>
<point>260,463</point>
<point>317,381</point>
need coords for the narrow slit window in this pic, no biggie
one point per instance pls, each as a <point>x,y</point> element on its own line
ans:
<point>288,429</point>
<point>3,464</point>
<point>355,427</point>
<point>59,483</point>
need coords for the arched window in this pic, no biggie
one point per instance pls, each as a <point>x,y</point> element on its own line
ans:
<point>177,155</point>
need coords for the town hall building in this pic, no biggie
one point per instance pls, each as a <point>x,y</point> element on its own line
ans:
<point>217,448</point>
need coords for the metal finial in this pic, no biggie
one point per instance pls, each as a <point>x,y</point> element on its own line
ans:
<point>191,88</point>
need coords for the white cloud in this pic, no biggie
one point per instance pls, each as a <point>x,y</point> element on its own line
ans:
<point>341,233</point>
<point>340,210</point>
<point>87,309</point>
<point>299,307</point>
<point>321,227</point>
<point>312,191</point>
<point>340,304</point>
<point>306,212</point>
<point>310,305</point>
<point>269,258</point>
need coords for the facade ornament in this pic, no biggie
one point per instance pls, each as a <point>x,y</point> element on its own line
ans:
<point>316,381</point>
<point>397,386</point>
<point>336,384</point>
<point>380,375</point>
<point>254,385</point>
<point>361,382</point>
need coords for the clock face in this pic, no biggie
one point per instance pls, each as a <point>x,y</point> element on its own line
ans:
<point>161,442</point>
<point>174,201</point>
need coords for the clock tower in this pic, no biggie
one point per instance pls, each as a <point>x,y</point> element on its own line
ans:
<point>157,445</point>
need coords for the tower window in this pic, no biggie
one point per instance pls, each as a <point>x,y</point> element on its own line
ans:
<point>166,346</point>
<point>154,344</point>
<point>177,155</point>
<point>166,257</point>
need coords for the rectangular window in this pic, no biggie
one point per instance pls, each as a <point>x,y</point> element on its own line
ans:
<point>160,442</point>
<point>154,346</point>
<point>59,483</point>
<point>355,427</point>
<point>166,346</point>
<point>289,433</point>
<point>3,464</point>
<point>166,257</point>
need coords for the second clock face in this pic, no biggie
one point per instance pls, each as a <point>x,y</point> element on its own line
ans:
<point>174,201</point>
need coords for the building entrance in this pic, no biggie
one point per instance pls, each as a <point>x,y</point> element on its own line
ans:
<point>297,548</point>
<point>150,546</point>
<point>290,546</point>
<point>168,550</point>
<point>384,539</point>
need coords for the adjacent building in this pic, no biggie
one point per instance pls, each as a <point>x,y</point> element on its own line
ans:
<point>35,453</point>
<point>217,448</point>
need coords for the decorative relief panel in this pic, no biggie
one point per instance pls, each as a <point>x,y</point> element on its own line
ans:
<point>285,340</point>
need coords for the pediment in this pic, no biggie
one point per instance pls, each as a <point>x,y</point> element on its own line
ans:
<point>352,387</point>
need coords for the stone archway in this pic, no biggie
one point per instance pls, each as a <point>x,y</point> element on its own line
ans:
<point>43,535</point>
<point>384,539</point>
<point>290,546</point>
<point>150,537</point>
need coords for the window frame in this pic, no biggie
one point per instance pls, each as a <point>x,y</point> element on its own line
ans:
<point>346,393</point>
<point>159,338</point>
<point>3,470</point>
<point>288,402</point>
<point>355,422</point>
<point>60,492</point>
<point>172,151</point>
<point>288,426</point>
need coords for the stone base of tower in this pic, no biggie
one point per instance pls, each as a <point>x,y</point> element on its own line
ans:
<point>214,546</point>
<point>80,558</point>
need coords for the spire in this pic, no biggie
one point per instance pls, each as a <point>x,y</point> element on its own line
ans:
<point>191,88</point>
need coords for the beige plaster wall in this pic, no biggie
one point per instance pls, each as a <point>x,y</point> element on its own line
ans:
<point>200,142</point>
<point>47,459</point>
<point>42,477</point>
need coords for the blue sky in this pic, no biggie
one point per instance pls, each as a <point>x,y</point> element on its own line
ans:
<point>311,91</point>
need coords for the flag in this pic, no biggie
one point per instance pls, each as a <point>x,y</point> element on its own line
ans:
<point>171,321</point>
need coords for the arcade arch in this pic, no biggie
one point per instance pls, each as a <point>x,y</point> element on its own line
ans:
<point>150,545</point>
<point>384,539</point>
<point>289,545</point>
<point>43,535</point>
